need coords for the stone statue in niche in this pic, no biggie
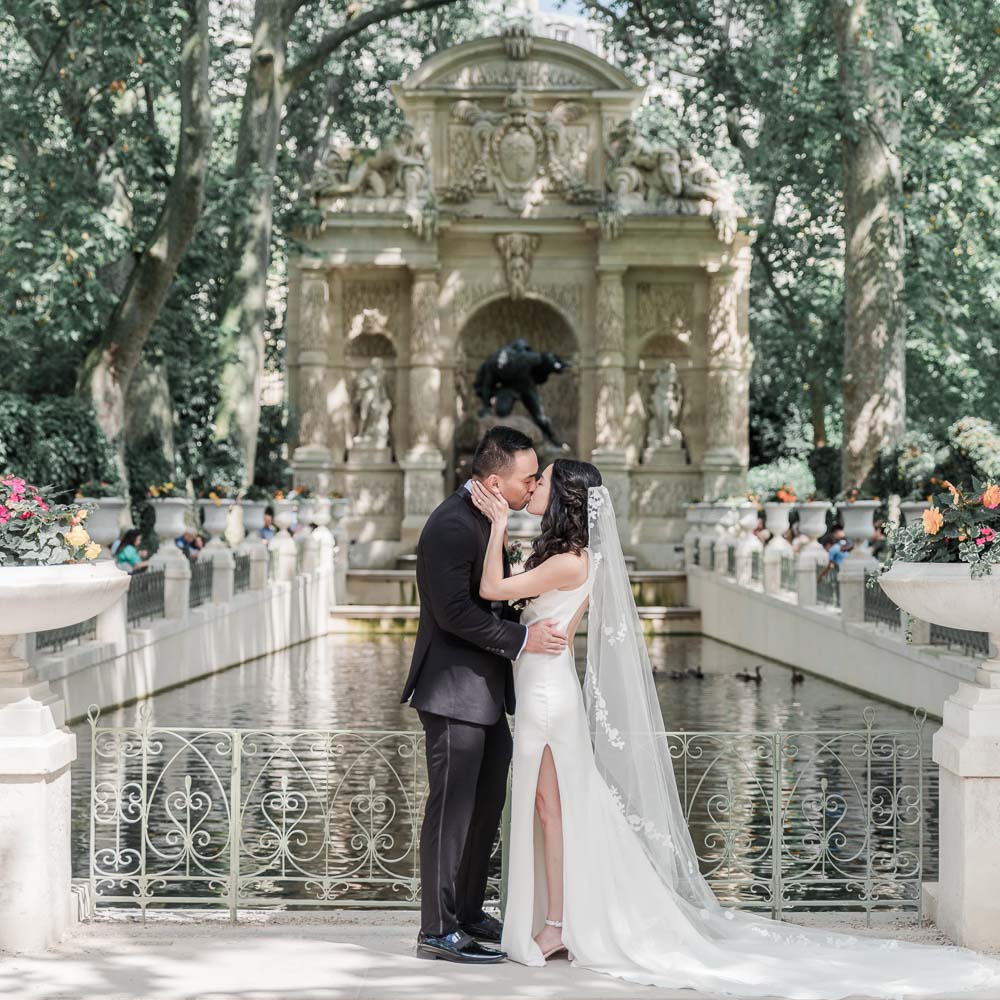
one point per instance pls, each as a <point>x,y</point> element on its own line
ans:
<point>513,373</point>
<point>665,404</point>
<point>518,252</point>
<point>664,441</point>
<point>371,394</point>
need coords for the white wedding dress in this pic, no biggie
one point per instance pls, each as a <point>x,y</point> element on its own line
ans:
<point>635,905</point>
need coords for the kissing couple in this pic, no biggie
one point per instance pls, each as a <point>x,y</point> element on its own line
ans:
<point>602,868</point>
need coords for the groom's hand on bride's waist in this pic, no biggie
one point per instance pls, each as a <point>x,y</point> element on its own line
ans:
<point>545,636</point>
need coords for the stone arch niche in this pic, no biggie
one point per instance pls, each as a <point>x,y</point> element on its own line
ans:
<point>518,200</point>
<point>492,326</point>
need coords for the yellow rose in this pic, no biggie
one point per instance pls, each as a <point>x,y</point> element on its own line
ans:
<point>933,520</point>
<point>92,551</point>
<point>77,536</point>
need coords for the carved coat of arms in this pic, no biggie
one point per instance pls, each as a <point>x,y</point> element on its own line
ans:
<point>518,152</point>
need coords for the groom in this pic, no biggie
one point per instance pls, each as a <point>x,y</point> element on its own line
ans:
<point>460,682</point>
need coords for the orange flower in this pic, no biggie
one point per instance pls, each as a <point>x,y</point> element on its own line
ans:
<point>991,496</point>
<point>954,492</point>
<point>933,520</point>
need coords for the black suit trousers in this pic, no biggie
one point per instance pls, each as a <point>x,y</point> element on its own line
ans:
<point>467,767</point>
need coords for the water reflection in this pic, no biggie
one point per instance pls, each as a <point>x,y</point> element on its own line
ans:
<point>314,821</point>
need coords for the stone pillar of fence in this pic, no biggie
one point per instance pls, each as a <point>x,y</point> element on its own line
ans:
<point>812,558</point>
<point>851,578</point>
<point>776,549</point>
<point>286,555</point>
<point>223,574</point>
<point>258,564</point>
<point>722,544</point>
<point>176,582</point>
<point>745,549</point>
<point>112,625</point>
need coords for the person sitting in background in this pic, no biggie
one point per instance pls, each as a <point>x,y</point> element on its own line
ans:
<point>189,544</point>
<point>267,532</point>
<point>878,543</point>
<point>837,547</point>
<point>763,535</point>
<point>128,555</point>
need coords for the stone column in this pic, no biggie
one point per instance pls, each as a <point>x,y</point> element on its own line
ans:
<point>223,574</point>
<point>423,466</point>
<point>609,453</point>
<point>726,387</point>
<point>112,625</point>
<point>312,458</point>
<point>176,580</point>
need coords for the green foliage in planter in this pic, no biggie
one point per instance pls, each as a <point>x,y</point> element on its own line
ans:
<point>53,440</point>
<point>909,467</point>
<point>975,450</point>
<point>793,472</point>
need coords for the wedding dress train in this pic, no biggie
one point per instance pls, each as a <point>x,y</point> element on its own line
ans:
<point>635,906</point>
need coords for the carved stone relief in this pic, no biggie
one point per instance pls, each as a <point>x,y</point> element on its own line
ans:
<point>314,318</point>
<point>425,331</point>
<point>725,343</point>
<point>664,495</point>
<point>610,313</point>
<point>568,297</point>
<point>313,424</point>
<point>518,153</point>
<point>518,253</point>
<point>371,307</point>
<point>495,73</point>
<point>665,311</point>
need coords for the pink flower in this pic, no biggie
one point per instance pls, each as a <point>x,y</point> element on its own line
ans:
<point>986,535</point>
<point>4,514</point>
<point>41,503</point>
<point>26,515</point>
<point>16,486</point>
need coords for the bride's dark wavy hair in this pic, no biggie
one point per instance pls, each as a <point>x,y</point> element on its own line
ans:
<point>565,527</point>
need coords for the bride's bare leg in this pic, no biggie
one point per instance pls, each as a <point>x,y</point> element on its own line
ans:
<point>549,809</point>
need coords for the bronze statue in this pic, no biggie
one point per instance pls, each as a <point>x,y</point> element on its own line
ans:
<point>513,373</point>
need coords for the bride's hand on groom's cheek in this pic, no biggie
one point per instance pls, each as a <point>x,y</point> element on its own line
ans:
<point>493,505</point>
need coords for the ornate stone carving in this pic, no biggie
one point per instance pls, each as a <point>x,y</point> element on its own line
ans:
<point>528,74</point>
<point>665,404</point>
<point>517,38</point>
<point>314,317</point>
<point>610,313</point>
<point>665,310</point>
<point>664,495</point>
<point>644,178</point>
<point>518,153</point>
<point>373,404</point>
<point>609,415</point>
<point>394,178</point>
<point>725,344</point>
<point>371,307</point>
<point>566,297</point>
<point>313,425</point>
<point>425,331</point>
<point>518,252</point>
<point>374,494</point>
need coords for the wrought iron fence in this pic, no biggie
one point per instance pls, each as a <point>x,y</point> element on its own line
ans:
<point>788,580</point>
<point>54,639</point>
<point>880,608</point>
<point>241,577</point>
<point>244,818</point>
<point>731,560</point>
<point>201,583</point>
<point>696,552</point>
<point>756,567</point>
<point>970,643</point>
<point>145,595</point>
<point>827,585</point>
<point>711,557</point>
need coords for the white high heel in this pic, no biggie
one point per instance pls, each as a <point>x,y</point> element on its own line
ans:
<point>559,947</point>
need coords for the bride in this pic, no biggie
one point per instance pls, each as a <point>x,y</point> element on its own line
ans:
<point>601,862</point>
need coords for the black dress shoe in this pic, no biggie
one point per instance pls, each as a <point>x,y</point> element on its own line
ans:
<point>457,947</point>
<point>486,928</point>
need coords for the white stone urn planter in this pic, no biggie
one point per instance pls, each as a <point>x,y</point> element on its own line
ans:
<point>306,512</point>
<point>859,519</point>
<point>284,514</point>
<point>253,520</point>
<point>966,748</point>
<point>36,751</point>
<point>171,515</point>
<point>777,515</point>
<point>216,516</point>
<point>105,523</point>
<point>322,513</point>
<point>812,517</point>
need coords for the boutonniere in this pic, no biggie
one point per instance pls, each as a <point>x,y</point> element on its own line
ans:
<point>515,552</point>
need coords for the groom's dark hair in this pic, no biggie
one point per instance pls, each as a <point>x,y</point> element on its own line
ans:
<point>496,451</point>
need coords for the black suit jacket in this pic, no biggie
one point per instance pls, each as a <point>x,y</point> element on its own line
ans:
<point>461,660</point>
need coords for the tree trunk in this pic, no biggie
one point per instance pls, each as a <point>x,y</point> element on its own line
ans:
<point>874,327</point>
<point>111,365</point>
<point>244,310</point>
<point>817,411</point>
